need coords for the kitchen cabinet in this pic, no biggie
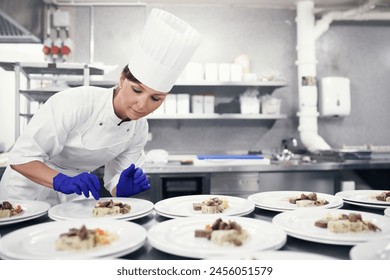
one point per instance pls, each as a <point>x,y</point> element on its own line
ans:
<point>44,72</point>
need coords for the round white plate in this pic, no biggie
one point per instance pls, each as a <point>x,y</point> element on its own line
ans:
<point>373,250</point>
<point>387,212</point>
<point>363,196</point>
<point>82,209</point>
<point>38,241</point>
<point>277,255</point>
<point>32,209</point>
<point>177,237</point>
<point>181,206</point>
<point>366,205</point>
<point>278,200</point>
<point>300,224</point>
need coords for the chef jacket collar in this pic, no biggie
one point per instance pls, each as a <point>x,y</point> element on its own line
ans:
<point>110,117</point>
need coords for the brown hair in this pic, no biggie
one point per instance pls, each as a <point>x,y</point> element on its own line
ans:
<point>128,75</point>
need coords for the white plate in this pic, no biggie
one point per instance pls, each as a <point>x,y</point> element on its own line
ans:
<point>277,255</point>
<point>387,212</point>
<point>300,224</point>
<point>366,205</point>
<point>38,241</point>
<point>82,209</point>
<point>363,196</point>
<point>278,200</point>
<point>177,237</point>
<point>32,209</point>
<point>181,206</point>
<point>373,250</point>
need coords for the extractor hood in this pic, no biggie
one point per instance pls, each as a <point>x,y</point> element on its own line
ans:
<point>13,32</point>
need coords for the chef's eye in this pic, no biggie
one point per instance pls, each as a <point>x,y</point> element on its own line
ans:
<point>137,90</point>
<point>155,98</point>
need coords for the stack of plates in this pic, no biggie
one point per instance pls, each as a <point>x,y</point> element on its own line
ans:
<point>31,209</point>
<point>182,206</point>
<point>82,209</point>
<point>364,198</point>
<point>177,237</point>
<point>38,241</point>
<point>278,200</point>
<point>300,224</point>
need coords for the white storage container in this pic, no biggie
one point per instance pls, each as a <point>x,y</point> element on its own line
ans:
<point>170,104</point>
<point>249,105</point>
<point>197,104</point>
<point>208,104</point>
<point>270,106</point>
<point>183,103</point>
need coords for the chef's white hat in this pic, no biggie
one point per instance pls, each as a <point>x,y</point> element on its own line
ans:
<point>166,46</point>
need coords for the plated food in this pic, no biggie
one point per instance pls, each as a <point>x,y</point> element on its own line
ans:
<point>307,200</point>
<point>8,210</point>
<point>211,205</point>
<point>302,224</point>
<point>222,233</point>
<point>177,236</point>
<point>352,222</point>
<point>96,238</point>
<point>119,208</point>
<point>84,239</point>
<point>198,205</point>
<point>110,207</point>
<point>281,201</point>
<point>384,196</point>
<point>22,210</point>
<point>376,199</point>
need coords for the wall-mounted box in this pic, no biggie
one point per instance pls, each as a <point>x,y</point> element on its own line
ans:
<point>335,96</point>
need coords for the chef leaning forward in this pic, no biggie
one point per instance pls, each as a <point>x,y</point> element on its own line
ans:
<point>80,129</point>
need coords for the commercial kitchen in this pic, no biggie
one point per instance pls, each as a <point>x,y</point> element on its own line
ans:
<point>281,99</point>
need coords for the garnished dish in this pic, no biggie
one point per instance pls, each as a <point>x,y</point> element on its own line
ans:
<point>352,222</point>
<point>221,233</point>
<point>307,200</point>
<point>384,196</point>
<point>83,239</point>
<point>211,205</point>
<point>110,207</point>
<point>8,210</point>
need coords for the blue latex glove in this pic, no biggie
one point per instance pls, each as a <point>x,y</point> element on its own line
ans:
<point>82,183</point>
<point>132,181</point>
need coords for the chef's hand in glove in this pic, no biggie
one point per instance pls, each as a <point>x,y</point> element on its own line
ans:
<point>82,183</point>
<point>132,181</point>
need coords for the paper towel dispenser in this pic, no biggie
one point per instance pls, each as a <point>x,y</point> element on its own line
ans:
<point>335,96</point>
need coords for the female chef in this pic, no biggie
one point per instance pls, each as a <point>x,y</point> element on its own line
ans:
<point>81,129</point>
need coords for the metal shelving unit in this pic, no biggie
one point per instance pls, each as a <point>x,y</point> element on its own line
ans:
<point>216,117</point>
<point>191,116</point>
<point>43,71</point>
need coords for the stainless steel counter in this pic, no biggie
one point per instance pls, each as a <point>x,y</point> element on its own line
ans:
<point>176,167</point>
<point>147,252</point>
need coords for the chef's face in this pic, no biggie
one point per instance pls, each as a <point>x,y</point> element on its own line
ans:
<point>138,100</point>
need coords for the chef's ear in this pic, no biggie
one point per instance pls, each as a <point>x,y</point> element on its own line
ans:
<point>121,80</point>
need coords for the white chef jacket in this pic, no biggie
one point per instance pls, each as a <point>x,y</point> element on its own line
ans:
<point>76,130</point>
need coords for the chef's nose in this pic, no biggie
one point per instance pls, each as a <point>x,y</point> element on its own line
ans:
<point>142,99</point>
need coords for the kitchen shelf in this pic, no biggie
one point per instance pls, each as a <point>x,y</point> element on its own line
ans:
<point>216,117</point>
<point>52,68</point>
<point>43,71</point>
<point>40,95</point>
<point>276,83</point>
